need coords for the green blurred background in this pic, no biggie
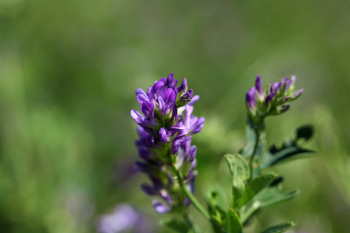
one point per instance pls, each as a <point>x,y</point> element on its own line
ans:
<point>69,69</point>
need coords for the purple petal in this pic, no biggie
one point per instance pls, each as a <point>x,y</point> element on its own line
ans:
<point>139,91</point>
<point>141,132</point>
<point>275,86</point>
<point>163,80</point>
<point>298,93</point>
<point>161,104</point>
<point>166,196</point>
<point>144,153</point>
<point>193,166</point>
<point>171,82</point>
<point>192,153</point>
<point>137,116</point>
<point>166,95</point>
<point>175,147</point>
<point>250,98</point>
<point>141,98</point>
<point>147,108</point>
<point>258,85</point>
<point>160,207</point>
<point>158,85</point>
<point>183,85</point>
<point>189,110</point>
<point>197,126</point>
<point>163,135</point>
<point>148,189</point>
<point>176,128</point>
<point>141,167</point>
<point>269,98</point>
<point>186,145</point>
<point>194,100</point>
<point>174,112</point>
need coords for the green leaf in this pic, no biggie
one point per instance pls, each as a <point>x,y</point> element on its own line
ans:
<point>254,187</point>
<point>290,150</point>
<point>234,224</point>
<point>175,225</point>
<point>239,170</point>
<point>279,228</point>
<point>271,195</point>
<point>217,213</point>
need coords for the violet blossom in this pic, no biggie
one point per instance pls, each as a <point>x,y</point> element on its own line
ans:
<point>165,128</point>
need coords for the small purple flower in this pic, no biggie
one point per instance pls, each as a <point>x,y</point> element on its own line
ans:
<point>160,207</point>
<point>250,98</point>
<point>183,86</point>
<point>124,218</point>
<point>163,137</point>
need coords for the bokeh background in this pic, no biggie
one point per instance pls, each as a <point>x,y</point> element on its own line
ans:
<point>69,69</point>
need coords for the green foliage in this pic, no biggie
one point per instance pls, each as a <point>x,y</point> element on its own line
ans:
<point>271,195</point>
<point>290,150</point>
<point>254,187</point>
<point>279,228</point>
<point>234,224</point>
<point>240,172</point>
<point>216,211</point>
<point>175,225</point>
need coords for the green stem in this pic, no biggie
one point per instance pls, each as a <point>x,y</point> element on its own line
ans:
<point>257,133</point>
<point>190,196</point>
<point>189,222</point>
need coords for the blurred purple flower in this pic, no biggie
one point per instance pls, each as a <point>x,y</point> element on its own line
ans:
<point>123,219</point>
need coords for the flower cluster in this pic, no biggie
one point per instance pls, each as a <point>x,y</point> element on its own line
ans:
<point>165,130</point>
<point>273,100</point>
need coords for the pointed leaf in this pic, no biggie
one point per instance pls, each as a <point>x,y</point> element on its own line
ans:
<point>289,151</point>
<point>271,195</point>
<point>175,225</point>
<point>254,187</point>
<point>234,224</point>
<point>239,172</point>
<point>279,228</point>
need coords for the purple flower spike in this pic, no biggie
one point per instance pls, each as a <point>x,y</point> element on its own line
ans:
<point>160,207</point>
<point>163,137</point>
<point>258,86</point>
<point>250,98</point>
<point>183,86</point>
<point>163,130</point>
